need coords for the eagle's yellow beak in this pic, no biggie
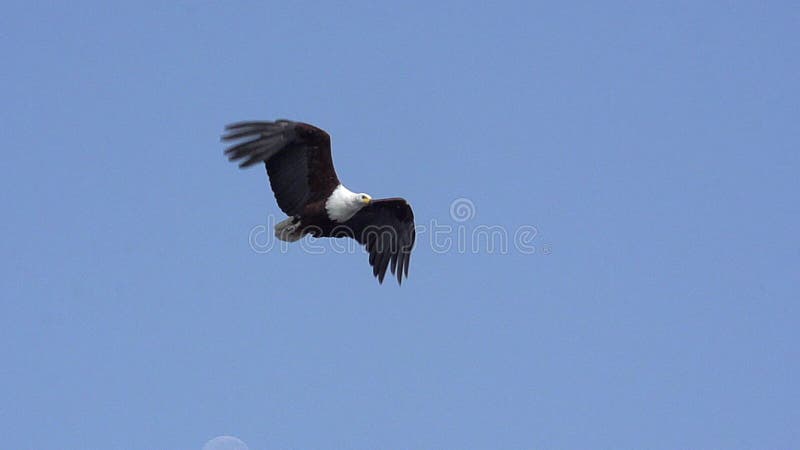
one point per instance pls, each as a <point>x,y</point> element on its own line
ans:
<point>367,200</point>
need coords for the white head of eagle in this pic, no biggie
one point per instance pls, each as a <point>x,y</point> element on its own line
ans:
<point>297,157</point>
<point>344,203</point>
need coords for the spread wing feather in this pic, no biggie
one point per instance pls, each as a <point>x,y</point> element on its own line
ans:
<point>297,157</point>
<point>386,228</point>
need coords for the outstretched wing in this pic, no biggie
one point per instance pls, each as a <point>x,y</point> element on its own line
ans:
<point>297,156</point>
<point>386,228</point>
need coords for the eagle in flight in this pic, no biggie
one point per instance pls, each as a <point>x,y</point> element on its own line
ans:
<point>302,177</point>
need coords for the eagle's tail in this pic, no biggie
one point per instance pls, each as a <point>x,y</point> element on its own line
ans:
<point>289,230</point>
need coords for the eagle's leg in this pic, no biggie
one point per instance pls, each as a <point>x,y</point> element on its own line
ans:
<point>289,230</point>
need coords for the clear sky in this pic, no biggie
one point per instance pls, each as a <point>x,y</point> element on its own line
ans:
<point>653,146</point>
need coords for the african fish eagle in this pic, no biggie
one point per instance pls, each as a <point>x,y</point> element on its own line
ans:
<point>301,173</point>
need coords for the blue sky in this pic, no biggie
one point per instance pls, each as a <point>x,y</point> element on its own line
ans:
<point>653,146</point>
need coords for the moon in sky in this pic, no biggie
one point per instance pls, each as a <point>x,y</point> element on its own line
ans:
<point>225,443</point>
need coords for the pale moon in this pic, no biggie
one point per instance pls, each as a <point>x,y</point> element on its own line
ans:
<point>225,443</point>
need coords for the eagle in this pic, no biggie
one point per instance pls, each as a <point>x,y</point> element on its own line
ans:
<point>300,169</point>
